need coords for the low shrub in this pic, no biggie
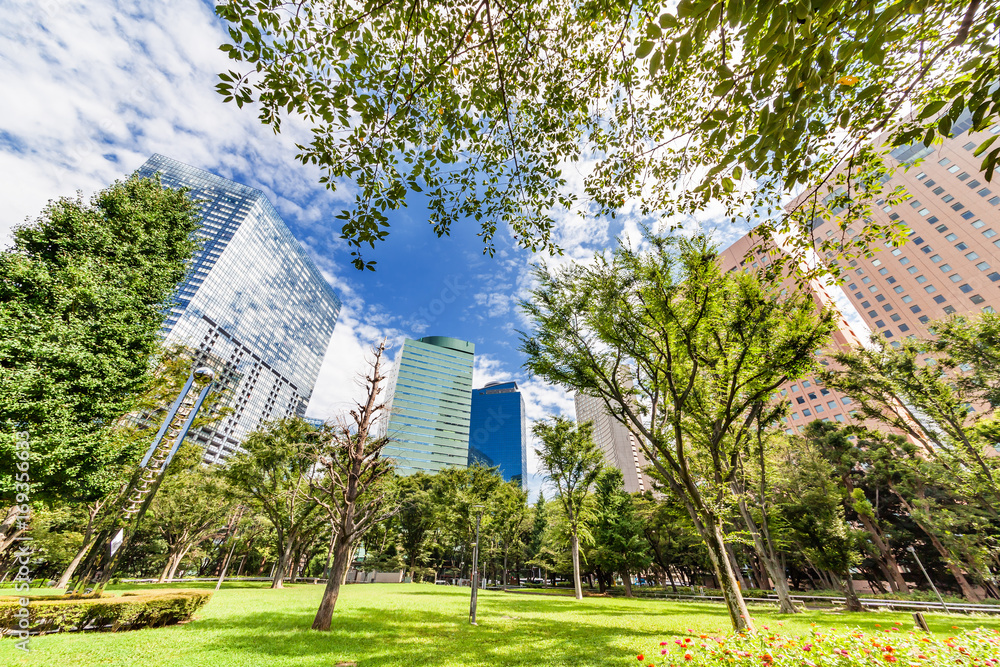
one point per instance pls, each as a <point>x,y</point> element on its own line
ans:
<point>844,648</point>
<point>129,611</point>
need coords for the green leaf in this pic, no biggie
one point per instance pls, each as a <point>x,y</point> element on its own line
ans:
<point>983,146</point>
<point>644,49</point>
<point>932,109</point>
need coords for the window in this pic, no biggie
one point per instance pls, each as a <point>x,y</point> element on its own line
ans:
<point>819,408</point>
<point>921,176</point>
<point>852,287</point>
<point>945,267</point>
<point>968,215</point>
<point>927,250</point>
<point>953,168</point>
<point>931,220</point>
<point>930,289</point>
<point>896,252</point>
<point>806,413</point>
<point>975,298</point>
<point>994,200</point>
<point>948,198</point>
<point>938,190</point>
<point>912,269</point>
<point>806,384</point>
<point>957,206</point>
<point>839,418</point>
<point>961,246</point>
<point>924,319</point>
<point>944,162</point>
<point>890,280</point>
<point>883,271</point>
<point>949,310</point>
<point>969,146</point>
<point>989,233</point>
<point>872,313</point>
<point>879,323</point>
<point>876,262</point>
<point>917,240</point>
<point>866,304</point>
<point>978,223</point>
<point>845,400</point>
<point>923,212</point>
<point>941,228</point>
<point>985,192</point>
<point>951,237</point>
<point>965,288</point>
<point>795,415</point>
<point>887,307</point>
<point>887,333</point>
<point>935,258</point>
<point>895,317</point>
<point>973,184</point>
<point>832,405</point>
<point>898,289</point>
<point>955,278</point>
<point>994,276</point>
<point>904,261</point>
<point>794,387</point>
<point>915,203</point>
<point>904,327</point>
<point>982,266</point>
<point>907,298</point>
<point>914,309</point>
<point>866,280</point>
<point>880,298</point>
<point>962,176</point>
<point>939,299</point>
<point>873,289</point>
<point>921,279</point>
<point>971,256</point>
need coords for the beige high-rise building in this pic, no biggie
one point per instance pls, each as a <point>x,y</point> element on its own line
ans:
<point>619,446</point>
<point>950,263</point>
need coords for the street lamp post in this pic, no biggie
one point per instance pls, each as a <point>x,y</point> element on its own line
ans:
<point>475,567</point>
<point>933,587</point>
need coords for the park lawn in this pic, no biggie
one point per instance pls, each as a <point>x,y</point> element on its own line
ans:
<point>387,625</point>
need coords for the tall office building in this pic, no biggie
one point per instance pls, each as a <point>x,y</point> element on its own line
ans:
<point>430,405</point>
<point>809,399</point>
<point>619,446</point>
<point>498,431</point>
<point>253,306</point>
<point>950,263</point>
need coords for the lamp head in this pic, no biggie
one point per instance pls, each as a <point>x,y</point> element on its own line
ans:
<point>204,373</point>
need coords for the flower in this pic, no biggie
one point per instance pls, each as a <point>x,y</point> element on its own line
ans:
<point>766,658</point>
<point>688,656</point>
<point>640,657</point>
<point>807,647</point>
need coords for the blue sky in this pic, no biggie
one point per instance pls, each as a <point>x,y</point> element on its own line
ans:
<point>92,89</point>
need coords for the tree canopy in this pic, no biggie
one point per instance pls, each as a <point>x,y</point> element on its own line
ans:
<point>482,105</point>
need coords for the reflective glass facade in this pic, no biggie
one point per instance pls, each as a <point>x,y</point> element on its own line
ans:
<point>498,433</point>
<point>430,405</point>
<point>254,306</point>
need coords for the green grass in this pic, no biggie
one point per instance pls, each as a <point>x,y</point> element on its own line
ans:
<point>385,625</point>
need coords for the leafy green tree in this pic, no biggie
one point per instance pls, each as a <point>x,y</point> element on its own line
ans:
<point>571,462</point>
<point>478,104</point>
<point>190,506</point>
<point>907,389</point>
<point>539,520</point>
<point>83,295</point>
<point>686,357</point>
<point>271,475</point>
<point>674,543</point>
<point>511,511</point>
<point>619,542</point>
<point>416,517</point>
<point>969,347</point>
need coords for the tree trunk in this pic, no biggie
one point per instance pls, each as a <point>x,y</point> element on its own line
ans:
<point>505,570</point>
<point>737,570</point>
<point>341,559</point>
<point>627,582</point>
<point>282,566</point>
<point>166,567</point>
<point>739,615</point>
<point>887,561</point>
<point>853,603</point>
<point>73,564</point>
<point>177,563</point>
<point>767,557</point>
<point>577,587</point>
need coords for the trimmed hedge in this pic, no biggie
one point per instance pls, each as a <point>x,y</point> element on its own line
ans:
<point>130,611</point>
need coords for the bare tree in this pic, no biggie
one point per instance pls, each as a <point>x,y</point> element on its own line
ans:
<point>352,481</point>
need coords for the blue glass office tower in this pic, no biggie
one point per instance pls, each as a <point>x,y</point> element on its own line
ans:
<point>253,306</point>
<point>498,433</point>
<point>429,414</point>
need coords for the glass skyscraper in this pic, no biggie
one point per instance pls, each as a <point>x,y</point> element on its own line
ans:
<point>498,433</point>
<point>253,306</point>
<point>430,404</point>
